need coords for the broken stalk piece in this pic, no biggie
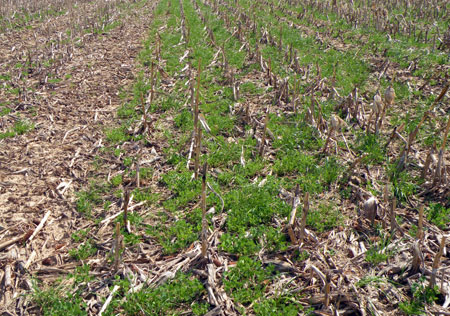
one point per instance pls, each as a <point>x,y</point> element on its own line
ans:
<point>263,138</point>
<point>420,224</point>
<point>291,225</point>
<point>126,199</point>
<point>117,248</point>
<point>394,224</point>
<point>197,129</point>
<point>417,258</point>
<point>438,177</point>
<point>198,144</point>
<point>389,97</point>
<point>426,166</point>
<point>203,203</point>
<point>304,216</point>
<point>436,263</point>
<point>327,290</point>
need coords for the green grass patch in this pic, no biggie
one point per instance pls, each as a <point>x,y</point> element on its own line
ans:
<point>251,210</point>
<point>172,298</point>
<point>19,128</point>
<point>326,217</point>
<point>380,252</point>
<point>439,215</point>
<point>247,281</point>
<point>421,295</point>
<point>117,135</point>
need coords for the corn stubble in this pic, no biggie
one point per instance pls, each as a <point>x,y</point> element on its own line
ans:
<point>345,120</point>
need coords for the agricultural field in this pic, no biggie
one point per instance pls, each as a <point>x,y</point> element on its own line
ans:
<point>224,157</point>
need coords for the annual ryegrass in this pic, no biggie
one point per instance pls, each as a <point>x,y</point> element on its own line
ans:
<point>382,250</point>
<point>20,127</point>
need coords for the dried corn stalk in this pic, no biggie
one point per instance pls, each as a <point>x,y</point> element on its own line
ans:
<point>304,216</point>
<point>436,262</point>
<point>292,222</point>
<point>203,203</point>
<point>370,207</point>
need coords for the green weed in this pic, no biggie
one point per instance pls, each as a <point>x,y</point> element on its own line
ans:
<point>117,135</point>
<point>19,128</point>
<point>127,111</point>
<point>83,251</point>
<point>79,235</point>
<point>184,189</point>
<point>63,298</point>
<point>142,194</point>
<point>56,301</point>
<point>324,218</point>
<point>171,298</point>
<point>284,305</point>
<point>380,252</point>
<point>184,120</point>
<point>175,237</point>
<point>251,210</point>
<point>421,295</point>
<point>247,281</point>
<point>300,255</point>
<point>5,110</point>
<point>439,215</point>
<point>88,199</point>
<point>371,145</point>
<point>116,180</point>
<point>413,231</point>
<point>370,280</point>
<point>402,183</point>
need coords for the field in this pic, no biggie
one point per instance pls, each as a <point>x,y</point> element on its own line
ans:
<point>224,157</point>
